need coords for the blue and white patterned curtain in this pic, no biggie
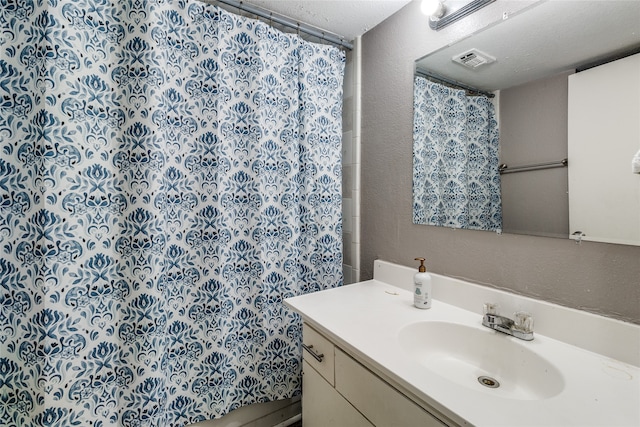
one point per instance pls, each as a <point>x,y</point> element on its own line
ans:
<point>456,181</point>
<point>169,173</point>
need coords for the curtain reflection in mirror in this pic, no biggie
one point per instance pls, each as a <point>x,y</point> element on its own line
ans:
<point>456,182</point>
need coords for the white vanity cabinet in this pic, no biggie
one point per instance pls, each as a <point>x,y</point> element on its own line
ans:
<point>382,366</point>
<point>322,404</point>
<point>339,391</point>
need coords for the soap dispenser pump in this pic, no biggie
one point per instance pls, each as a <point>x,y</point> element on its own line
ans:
<point>422,286</point>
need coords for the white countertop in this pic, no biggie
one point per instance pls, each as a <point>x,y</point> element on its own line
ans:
<point>364,319</point>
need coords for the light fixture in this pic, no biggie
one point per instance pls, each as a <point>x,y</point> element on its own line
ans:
<point>434,9</point>
<point>438,18</point>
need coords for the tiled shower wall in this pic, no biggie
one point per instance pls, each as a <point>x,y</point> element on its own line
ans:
<point>351,166</point>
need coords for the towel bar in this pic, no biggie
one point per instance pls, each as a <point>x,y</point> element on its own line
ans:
<point>503,168</point>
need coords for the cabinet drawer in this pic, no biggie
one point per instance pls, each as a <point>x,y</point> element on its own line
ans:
<point>322,348</point>
<point>382,404</point>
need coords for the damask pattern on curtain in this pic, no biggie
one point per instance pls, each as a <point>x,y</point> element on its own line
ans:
<point>456,181</point>
<point>169,173</point>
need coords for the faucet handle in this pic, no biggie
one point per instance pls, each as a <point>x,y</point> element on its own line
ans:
<point>490,308</point>
<point>523,321</point>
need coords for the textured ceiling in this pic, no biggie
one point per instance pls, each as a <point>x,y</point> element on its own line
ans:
<point>348,19</point>
<point>548,38</point>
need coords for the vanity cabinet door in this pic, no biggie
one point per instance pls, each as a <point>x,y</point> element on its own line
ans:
<point>318,345</point>
<point>382,404</point>
<point>323,406</point>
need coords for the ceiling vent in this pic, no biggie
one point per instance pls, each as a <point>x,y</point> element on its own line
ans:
<point>473,58</point>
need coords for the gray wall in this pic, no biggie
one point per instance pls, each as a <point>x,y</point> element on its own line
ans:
<point>600,278</point>
<point>533,129</point>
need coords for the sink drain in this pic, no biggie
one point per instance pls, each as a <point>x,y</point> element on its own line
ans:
<point>488,382</point>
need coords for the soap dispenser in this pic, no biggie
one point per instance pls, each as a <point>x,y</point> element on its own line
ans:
<point>422,286</point>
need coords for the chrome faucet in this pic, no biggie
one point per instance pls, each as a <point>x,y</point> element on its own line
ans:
<point>521,327</point>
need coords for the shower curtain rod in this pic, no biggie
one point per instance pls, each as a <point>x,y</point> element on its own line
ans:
<point>288,22</point>
<point>443,80</point>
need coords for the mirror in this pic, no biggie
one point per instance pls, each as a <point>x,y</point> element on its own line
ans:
<point>535,51</point>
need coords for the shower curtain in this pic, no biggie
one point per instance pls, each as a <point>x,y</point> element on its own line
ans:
<point>169,173</point>
<point>456,181</point>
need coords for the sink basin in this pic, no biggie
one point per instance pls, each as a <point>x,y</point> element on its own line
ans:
<point>482,359</point>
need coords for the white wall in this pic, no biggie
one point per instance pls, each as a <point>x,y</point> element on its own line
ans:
<point>604,135</point>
